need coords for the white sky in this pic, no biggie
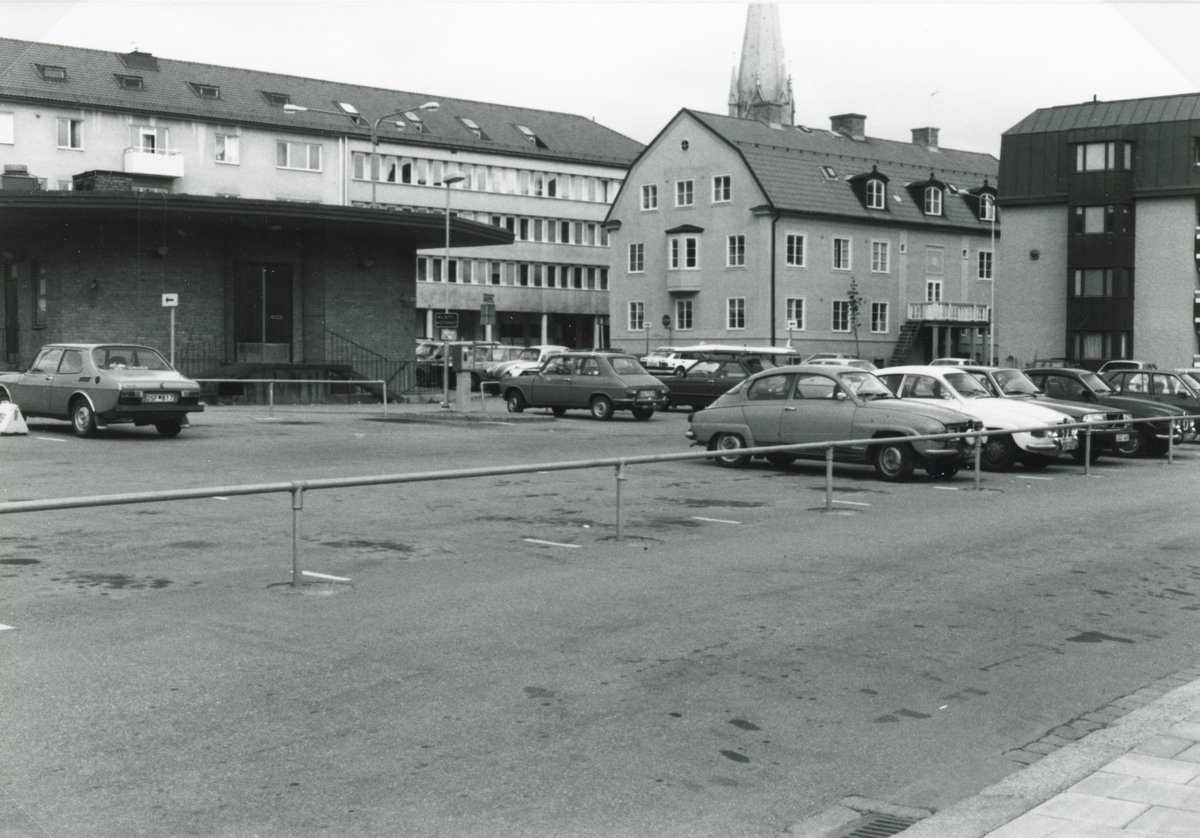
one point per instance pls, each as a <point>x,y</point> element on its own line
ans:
<point>972,69</point>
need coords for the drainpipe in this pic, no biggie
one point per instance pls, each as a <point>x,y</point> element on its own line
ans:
<point>774,224</point>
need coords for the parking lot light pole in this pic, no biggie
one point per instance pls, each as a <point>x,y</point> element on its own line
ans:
<point>447,182</point>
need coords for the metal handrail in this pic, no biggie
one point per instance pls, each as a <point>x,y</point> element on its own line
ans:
<point>273,381</point>
<point>297,488</point>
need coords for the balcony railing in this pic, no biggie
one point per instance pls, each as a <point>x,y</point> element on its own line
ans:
<point>949,312</point>
<point>683,281</point>
<point>157,162</point>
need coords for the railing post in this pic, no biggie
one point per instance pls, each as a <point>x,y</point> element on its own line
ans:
<point>978,457</point>
<point>829,478</point>
<point>620,482</point>
<point>1087,454</point>
<point>1171,443</point>
<point>297,505</point>
<point>385,398</point>
<point>271,399</point>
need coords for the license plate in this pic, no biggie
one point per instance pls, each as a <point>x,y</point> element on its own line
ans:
<point>159,397</point>
<point>1122,437</point>
<point>1070,443</point>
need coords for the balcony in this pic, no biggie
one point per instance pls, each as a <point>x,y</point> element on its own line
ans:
<point>141,161</point>
<point>682,281</point>
<point>965,313</point>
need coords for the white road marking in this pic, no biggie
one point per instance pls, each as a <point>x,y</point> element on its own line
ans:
<point>5,628</point>
<point>1031,477</point>
<point>947,488</point>
<point>549,543</point>
<point>852,502</point>
<point>495,423</point>
<point>51,439</point>
<point>715,520</point>
<point>324,576</point>
<point>218,497</point>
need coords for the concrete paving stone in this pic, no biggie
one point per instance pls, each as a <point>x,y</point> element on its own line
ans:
<point>1192,754</point>
<point>1041,748</point>
<point>1029,826</point>
<point>1186,730</point>
<point>1085,725</point>
<point>1051,739</point>
<point>1166,823</point>
<point>1101,784</point>
<point>1084,808</point>
<point>1154,768</point>
<point>1131,701</point>
<point>1158,793</point>
<point>1164,746</point>
<point>1024,757</point>
<point>823,823</point>
<point>1069,732</point>
<point>1092,830</point>
<point>1102,716</point>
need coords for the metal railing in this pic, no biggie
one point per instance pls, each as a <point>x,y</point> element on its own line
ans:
<point>271,382</point>
<point>368,363</point>
<point>949,312</point>
<point>297,488</point>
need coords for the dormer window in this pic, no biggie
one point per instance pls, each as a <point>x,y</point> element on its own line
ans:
<point>982,201</point>
<point>206,91</point>
<point>352,112</point>
<point>51,72</point>
<point>277,100</point>
<point>531,136</point>
<point>933,200</point>
<point>871,189</point>
<point>829,173</point>
<point>472,126</point>
<point>876,194</point>
<point>417,124</point>
<point>987,208</point>
<point>131,82</point>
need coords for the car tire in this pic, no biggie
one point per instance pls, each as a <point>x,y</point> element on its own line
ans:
<point>4,397</point>
<point>729,442</point>
<point>781,460</point>
<point>1135,447</point>
<point>602,408</point>
<point>515,401</point>
<point>83,418</point>
<point>559,411</point>
<point>894,461</point>
<point>999,453</point>
<point>939,470</point>
<point>680,370</point>
<point>169,429</point>
<point>642,412</point>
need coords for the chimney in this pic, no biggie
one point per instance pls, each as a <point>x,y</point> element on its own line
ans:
<point>927,138</point>
<point>17,178</point>
<point>852,125</point>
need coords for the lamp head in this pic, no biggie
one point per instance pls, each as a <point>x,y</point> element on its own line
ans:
<point>429,106</point>
<point>453,179</point>
<point>290,108</point>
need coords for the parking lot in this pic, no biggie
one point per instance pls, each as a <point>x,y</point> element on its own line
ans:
<point>497,663</point>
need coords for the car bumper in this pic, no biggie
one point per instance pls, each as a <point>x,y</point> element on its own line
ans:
<point>148,414</point>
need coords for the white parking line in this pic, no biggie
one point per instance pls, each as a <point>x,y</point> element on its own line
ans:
<point>218,497</point>
<point>51,439</point>
<point>550,543</point>
<point>5,628</point>
<point>1031,477</point>
<point>324,576</point>
<point>851,502</point>
<point>947,488</point>
<point>715,520</point>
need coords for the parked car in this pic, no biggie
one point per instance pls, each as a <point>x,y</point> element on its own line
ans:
<point>1079,385</point>
<point>857,363</point>
<point>94,385</point>
<point>960,390</point>
<point>656,360</point>
<point>1054,363</point>
<point>1192,374</point>
<point>600,381</point>
<point>528,359</point>
<point>1113,366</point>
<point>817,403</point>
<point>1008,383</point>
<point>703,383</point>
<point>1162,386</point>
<point>950,362</point>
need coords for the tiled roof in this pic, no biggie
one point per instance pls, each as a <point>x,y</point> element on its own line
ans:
<point>788,163</point>
<point>1103,114</point>
<point>91,81</point>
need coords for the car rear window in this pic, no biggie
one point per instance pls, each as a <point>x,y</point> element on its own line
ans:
<point>128,358</point>
<point>627,366</point>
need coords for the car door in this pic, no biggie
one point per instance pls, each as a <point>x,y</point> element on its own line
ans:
<point>767,401</point>
<point>1171,389</point>
<point>552,385</point>
<point>32,390</point>
<point>815,413</point>
<point>585,382</point>
<point>67,380</point>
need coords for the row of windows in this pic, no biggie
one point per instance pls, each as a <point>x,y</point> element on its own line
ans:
<point>1102,282</point>
<point>735,315</point>
<point>1096,157</point>
<point>549,230</point>
<point>685,193</point>
<point>515,274</point>
<point>683,253</point>
<point>1107,218</point>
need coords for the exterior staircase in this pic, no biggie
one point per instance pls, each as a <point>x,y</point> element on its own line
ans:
<point>904,344</point>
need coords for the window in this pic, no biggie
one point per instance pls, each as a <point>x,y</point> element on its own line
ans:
<point>841,254</point>
<point>879,318</point>
<point>228,149</point>
<point>795,250</point>
<point>933,200</point>
<point>305,156</point>
<point>70,133</point>
<point>933,290</point>
<point>637,258</point>
<point>130,82</point>
<point>277,100</point>
<point>637,316</point>
<point>415,120</point>
<point>40,294</point>
<point>1096,157</point>
<point>472,126</point>
<point>649,197</point>
<point>735,313</point>
<point>984,270</point>
<point>684,311</point>
<point>880,257</point>
<point>721,189</point>
<point>1102,346</point>
<point>684,252</point>
<point>532,137</point>
<point>987,207</point>
<point>51,72</point>
<point>1102,282</point>
<point>206,91</point>
<point>876,195</point>
<point>841,316</point>
<point>828,173</point>
<point>736,252</point>
<point>795,313</point>
<point>150,140</point>
<point>683,193</point>
<point>7,128</point>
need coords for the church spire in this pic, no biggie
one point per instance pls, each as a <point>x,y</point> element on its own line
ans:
<point>762,88</point>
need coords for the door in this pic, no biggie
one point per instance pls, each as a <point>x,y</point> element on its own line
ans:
<point>32,390</point>
<point>67,380</point>
<point>552,386</point>
<point>263,315</point>
<point>816,413</point>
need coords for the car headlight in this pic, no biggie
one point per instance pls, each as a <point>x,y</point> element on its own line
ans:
<point>1093,417</point>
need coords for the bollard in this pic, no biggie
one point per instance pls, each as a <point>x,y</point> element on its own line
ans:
<point>829,479</point>
<point>271,399</point>
<point>385,413</point>
<point>297,505</point>
<point>620,480</point>
<point>1087,454</point>
<point>978,457</point>
<point>1171,444</point>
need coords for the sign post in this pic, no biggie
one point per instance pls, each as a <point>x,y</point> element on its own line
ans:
<point>446,322</point>
<point>666,321</point>
<point>171,301</point>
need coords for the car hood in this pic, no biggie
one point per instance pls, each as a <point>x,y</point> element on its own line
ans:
<point>945,415</point>
<point>1142,407</point>
<point>1008,412</point>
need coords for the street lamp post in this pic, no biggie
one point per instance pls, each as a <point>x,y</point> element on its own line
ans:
<point>447,182</point>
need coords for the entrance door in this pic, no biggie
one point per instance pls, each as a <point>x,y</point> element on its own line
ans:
<point>264,301</point>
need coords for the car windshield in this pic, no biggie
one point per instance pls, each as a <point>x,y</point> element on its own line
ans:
<point>1096,383</point>
<point>1193,378</point>
<point>1015,383</point>
<point>128,358</point>
<point>967,386</point>
<point>865,385</point>
<point>529,355</point>
<point>627,366</point>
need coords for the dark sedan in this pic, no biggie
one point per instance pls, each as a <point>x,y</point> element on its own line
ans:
<point>1162,386</point>
<point>706,380</point>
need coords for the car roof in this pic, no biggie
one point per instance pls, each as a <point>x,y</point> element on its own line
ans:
<point>95,345</point>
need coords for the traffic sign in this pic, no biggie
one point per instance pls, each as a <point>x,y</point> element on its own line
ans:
<point>170,300</point>
<point>487,314</point>
<point>445,320</point>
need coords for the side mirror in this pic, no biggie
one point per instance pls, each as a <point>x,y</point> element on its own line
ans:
<point>839,394</point>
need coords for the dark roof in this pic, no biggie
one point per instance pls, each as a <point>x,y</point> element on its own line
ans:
<point>1102,114</point>
<point>788,161</point>
<point>170,90</point>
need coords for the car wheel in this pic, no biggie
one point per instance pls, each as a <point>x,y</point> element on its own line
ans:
<point>729,442</point>
<point>1135,447</point>
<point>515,401</point>
<point>680,370</point>
<point>939,470</point>
<point>4,397</point>
<point>999,453</point>
<point>894,461</point>
<point>559,411</point>
<point>1081,452</point>
<point>643,412</point>
<point>602,408</point>
<point>781,460</point>
<point>171,428</point>
<point>83,419</point>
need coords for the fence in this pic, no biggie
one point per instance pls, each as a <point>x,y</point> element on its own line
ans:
<point>297,488</point>
<point>271,382</point>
